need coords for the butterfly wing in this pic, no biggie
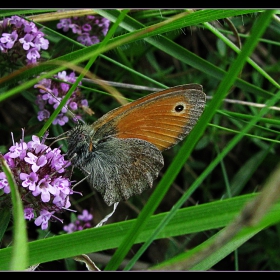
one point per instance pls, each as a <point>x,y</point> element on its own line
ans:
<point>163,118</point>
<point>119,168</point>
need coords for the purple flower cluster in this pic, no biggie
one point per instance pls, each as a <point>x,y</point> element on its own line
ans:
<point>50,98</point>
<point>41,175</point>
<point>21,40</point>
<point>82,222</point>
<point>88,28</point>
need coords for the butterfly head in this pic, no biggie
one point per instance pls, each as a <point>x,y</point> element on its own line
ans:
<point>80,143</point>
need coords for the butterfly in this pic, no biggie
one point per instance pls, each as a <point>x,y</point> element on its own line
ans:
<point>121,152</point>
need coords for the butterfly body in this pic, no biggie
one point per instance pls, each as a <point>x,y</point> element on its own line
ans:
<point>121,152</point>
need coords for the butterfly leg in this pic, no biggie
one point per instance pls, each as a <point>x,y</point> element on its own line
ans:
<point>84,170</point>
<point>82,179</point>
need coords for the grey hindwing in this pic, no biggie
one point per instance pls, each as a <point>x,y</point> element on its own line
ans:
<point>120,168</point>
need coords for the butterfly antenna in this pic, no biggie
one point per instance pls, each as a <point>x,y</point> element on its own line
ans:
<point>57,139</point>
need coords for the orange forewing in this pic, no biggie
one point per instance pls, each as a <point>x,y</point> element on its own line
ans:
<point>163,118</point>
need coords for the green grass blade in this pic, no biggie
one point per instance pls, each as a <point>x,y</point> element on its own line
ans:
<point>187,220</point>
<point>19,257</point>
